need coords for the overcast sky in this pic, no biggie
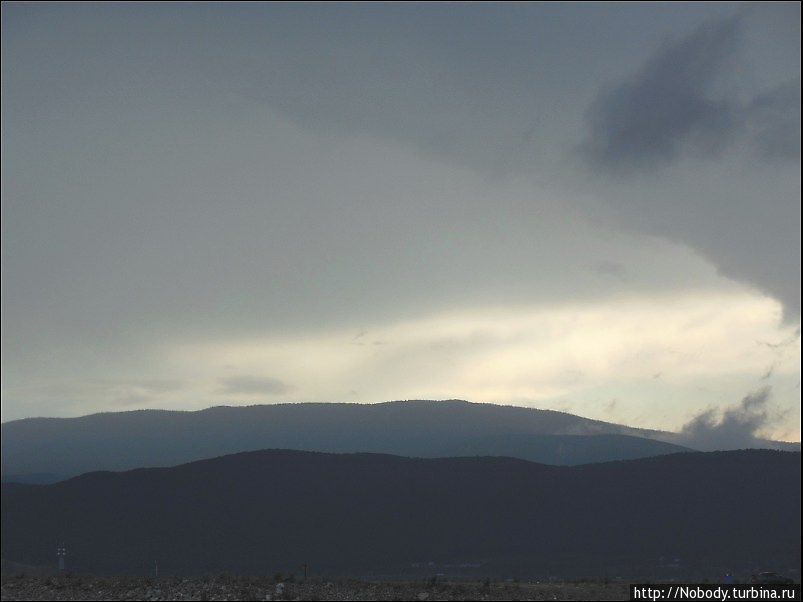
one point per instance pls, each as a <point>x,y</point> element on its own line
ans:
<point>585,207</point>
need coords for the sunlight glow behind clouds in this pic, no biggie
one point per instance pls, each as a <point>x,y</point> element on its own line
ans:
<point>541,356</point>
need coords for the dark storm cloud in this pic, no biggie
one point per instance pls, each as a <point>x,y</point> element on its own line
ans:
<point>253,385</point>
<point>667,106</point>
<point>674,105</point>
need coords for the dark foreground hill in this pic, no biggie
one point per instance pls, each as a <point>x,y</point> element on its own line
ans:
<point>124,440</point>
<point>242,587</point>
<point>272,511</point>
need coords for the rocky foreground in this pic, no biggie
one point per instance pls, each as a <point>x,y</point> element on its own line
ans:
<point>225,587</point>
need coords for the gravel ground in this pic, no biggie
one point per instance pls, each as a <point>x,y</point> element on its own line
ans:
<point>224,587</point>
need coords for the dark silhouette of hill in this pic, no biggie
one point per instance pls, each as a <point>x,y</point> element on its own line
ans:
<point>36,478</point>
<point>273,510</point>
<point>125,440</point>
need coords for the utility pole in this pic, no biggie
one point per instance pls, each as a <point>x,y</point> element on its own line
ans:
<point>156,568</point>
<point>61,552</point>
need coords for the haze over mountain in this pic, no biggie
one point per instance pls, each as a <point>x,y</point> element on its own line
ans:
<point>274,510</point>
<point>34,448</point>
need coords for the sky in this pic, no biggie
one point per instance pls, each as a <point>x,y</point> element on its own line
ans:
<point>585,207</point>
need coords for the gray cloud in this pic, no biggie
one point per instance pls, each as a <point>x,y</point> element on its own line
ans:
<point>613,269</point>
<point>736,427</point>
<point>663,133</point>
<point>675,105</point>
<point>253,385</point>
<point>666,107</point>
<point>484,85</point>
<point>772,120</point>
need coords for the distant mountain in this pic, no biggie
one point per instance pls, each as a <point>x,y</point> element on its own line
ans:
<point>119,441</point>
<point>694,515</point>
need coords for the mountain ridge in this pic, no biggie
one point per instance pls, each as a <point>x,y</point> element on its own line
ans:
<point>119,440</point>
<point>272,510</point>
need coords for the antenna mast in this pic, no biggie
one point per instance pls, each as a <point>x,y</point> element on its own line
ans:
<point>61,552</point>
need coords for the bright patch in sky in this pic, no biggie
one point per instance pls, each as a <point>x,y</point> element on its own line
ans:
<point>640,361</point>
